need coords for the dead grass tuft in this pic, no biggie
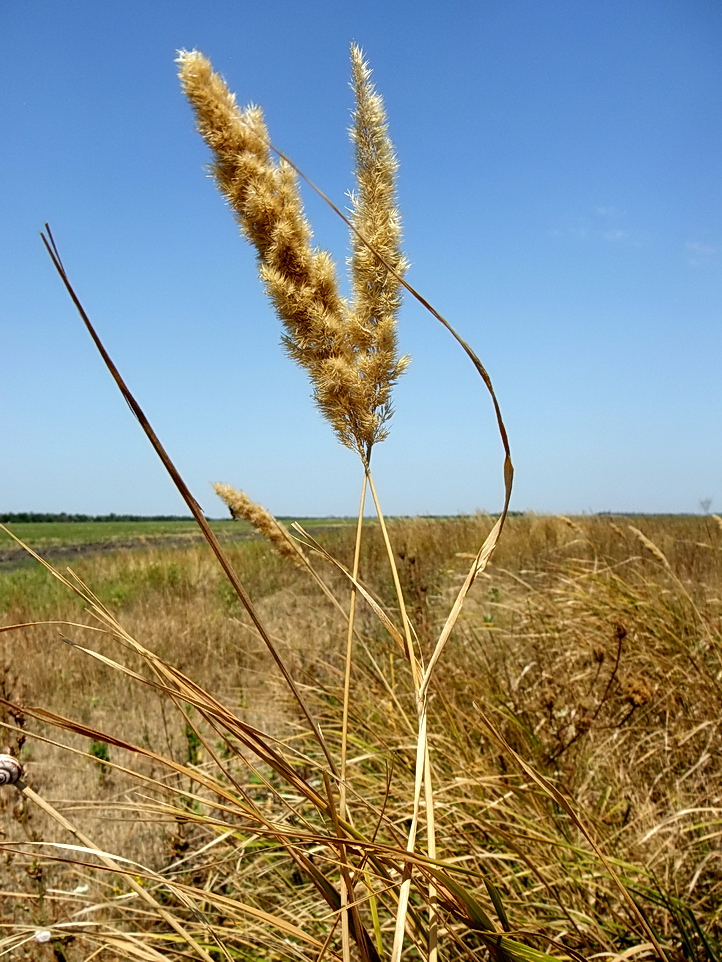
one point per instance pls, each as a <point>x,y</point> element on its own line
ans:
<point>600,667</point>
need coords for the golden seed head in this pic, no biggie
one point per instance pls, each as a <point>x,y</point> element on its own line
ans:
<point>242,508</point>
<point>349,351</point>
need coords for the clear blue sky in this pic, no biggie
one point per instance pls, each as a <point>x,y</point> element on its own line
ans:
<point>561,186</point>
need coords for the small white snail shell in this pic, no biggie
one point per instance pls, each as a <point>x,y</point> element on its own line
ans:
<point>10,770</point>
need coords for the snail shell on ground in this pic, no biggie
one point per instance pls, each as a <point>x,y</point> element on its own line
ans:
<point>10,770</point>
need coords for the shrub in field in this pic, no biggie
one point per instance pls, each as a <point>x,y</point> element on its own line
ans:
<point>411,796</point>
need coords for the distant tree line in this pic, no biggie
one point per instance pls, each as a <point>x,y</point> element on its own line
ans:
<point>26,517</point>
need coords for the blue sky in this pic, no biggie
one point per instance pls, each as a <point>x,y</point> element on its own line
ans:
<point>562,200</point>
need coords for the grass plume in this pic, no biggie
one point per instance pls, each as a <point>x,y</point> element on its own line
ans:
<point>349,351</point>
<point>242,508</point>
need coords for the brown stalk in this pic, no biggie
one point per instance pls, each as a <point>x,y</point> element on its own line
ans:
<point>185,493</point>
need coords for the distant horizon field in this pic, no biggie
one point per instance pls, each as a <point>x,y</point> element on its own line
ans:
<point>42,534</point>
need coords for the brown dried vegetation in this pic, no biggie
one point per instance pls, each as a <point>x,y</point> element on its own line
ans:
<point>596,660</point>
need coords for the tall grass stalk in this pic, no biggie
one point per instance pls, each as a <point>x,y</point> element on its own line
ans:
<point>347,890</point>
<point>358,342</point>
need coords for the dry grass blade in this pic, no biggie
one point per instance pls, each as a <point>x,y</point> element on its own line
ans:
<point>480,563</point>
<point>184,491</point>
<point>564,803</point>
<point>356,584</point>
<point>112,863</point>
<point>175,684</point>
<point>540,637</point>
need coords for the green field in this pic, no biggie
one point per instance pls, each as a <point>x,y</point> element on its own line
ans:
<point>47,533</point>
<point>53,534</point>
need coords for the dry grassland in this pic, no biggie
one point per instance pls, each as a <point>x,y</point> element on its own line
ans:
<point>592,648</point>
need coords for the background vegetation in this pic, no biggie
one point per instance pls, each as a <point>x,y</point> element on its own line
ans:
<point>593,646</point>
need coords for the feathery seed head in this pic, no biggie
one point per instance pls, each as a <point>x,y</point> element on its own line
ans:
<point>349,351</point>
<point>241,507</point>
